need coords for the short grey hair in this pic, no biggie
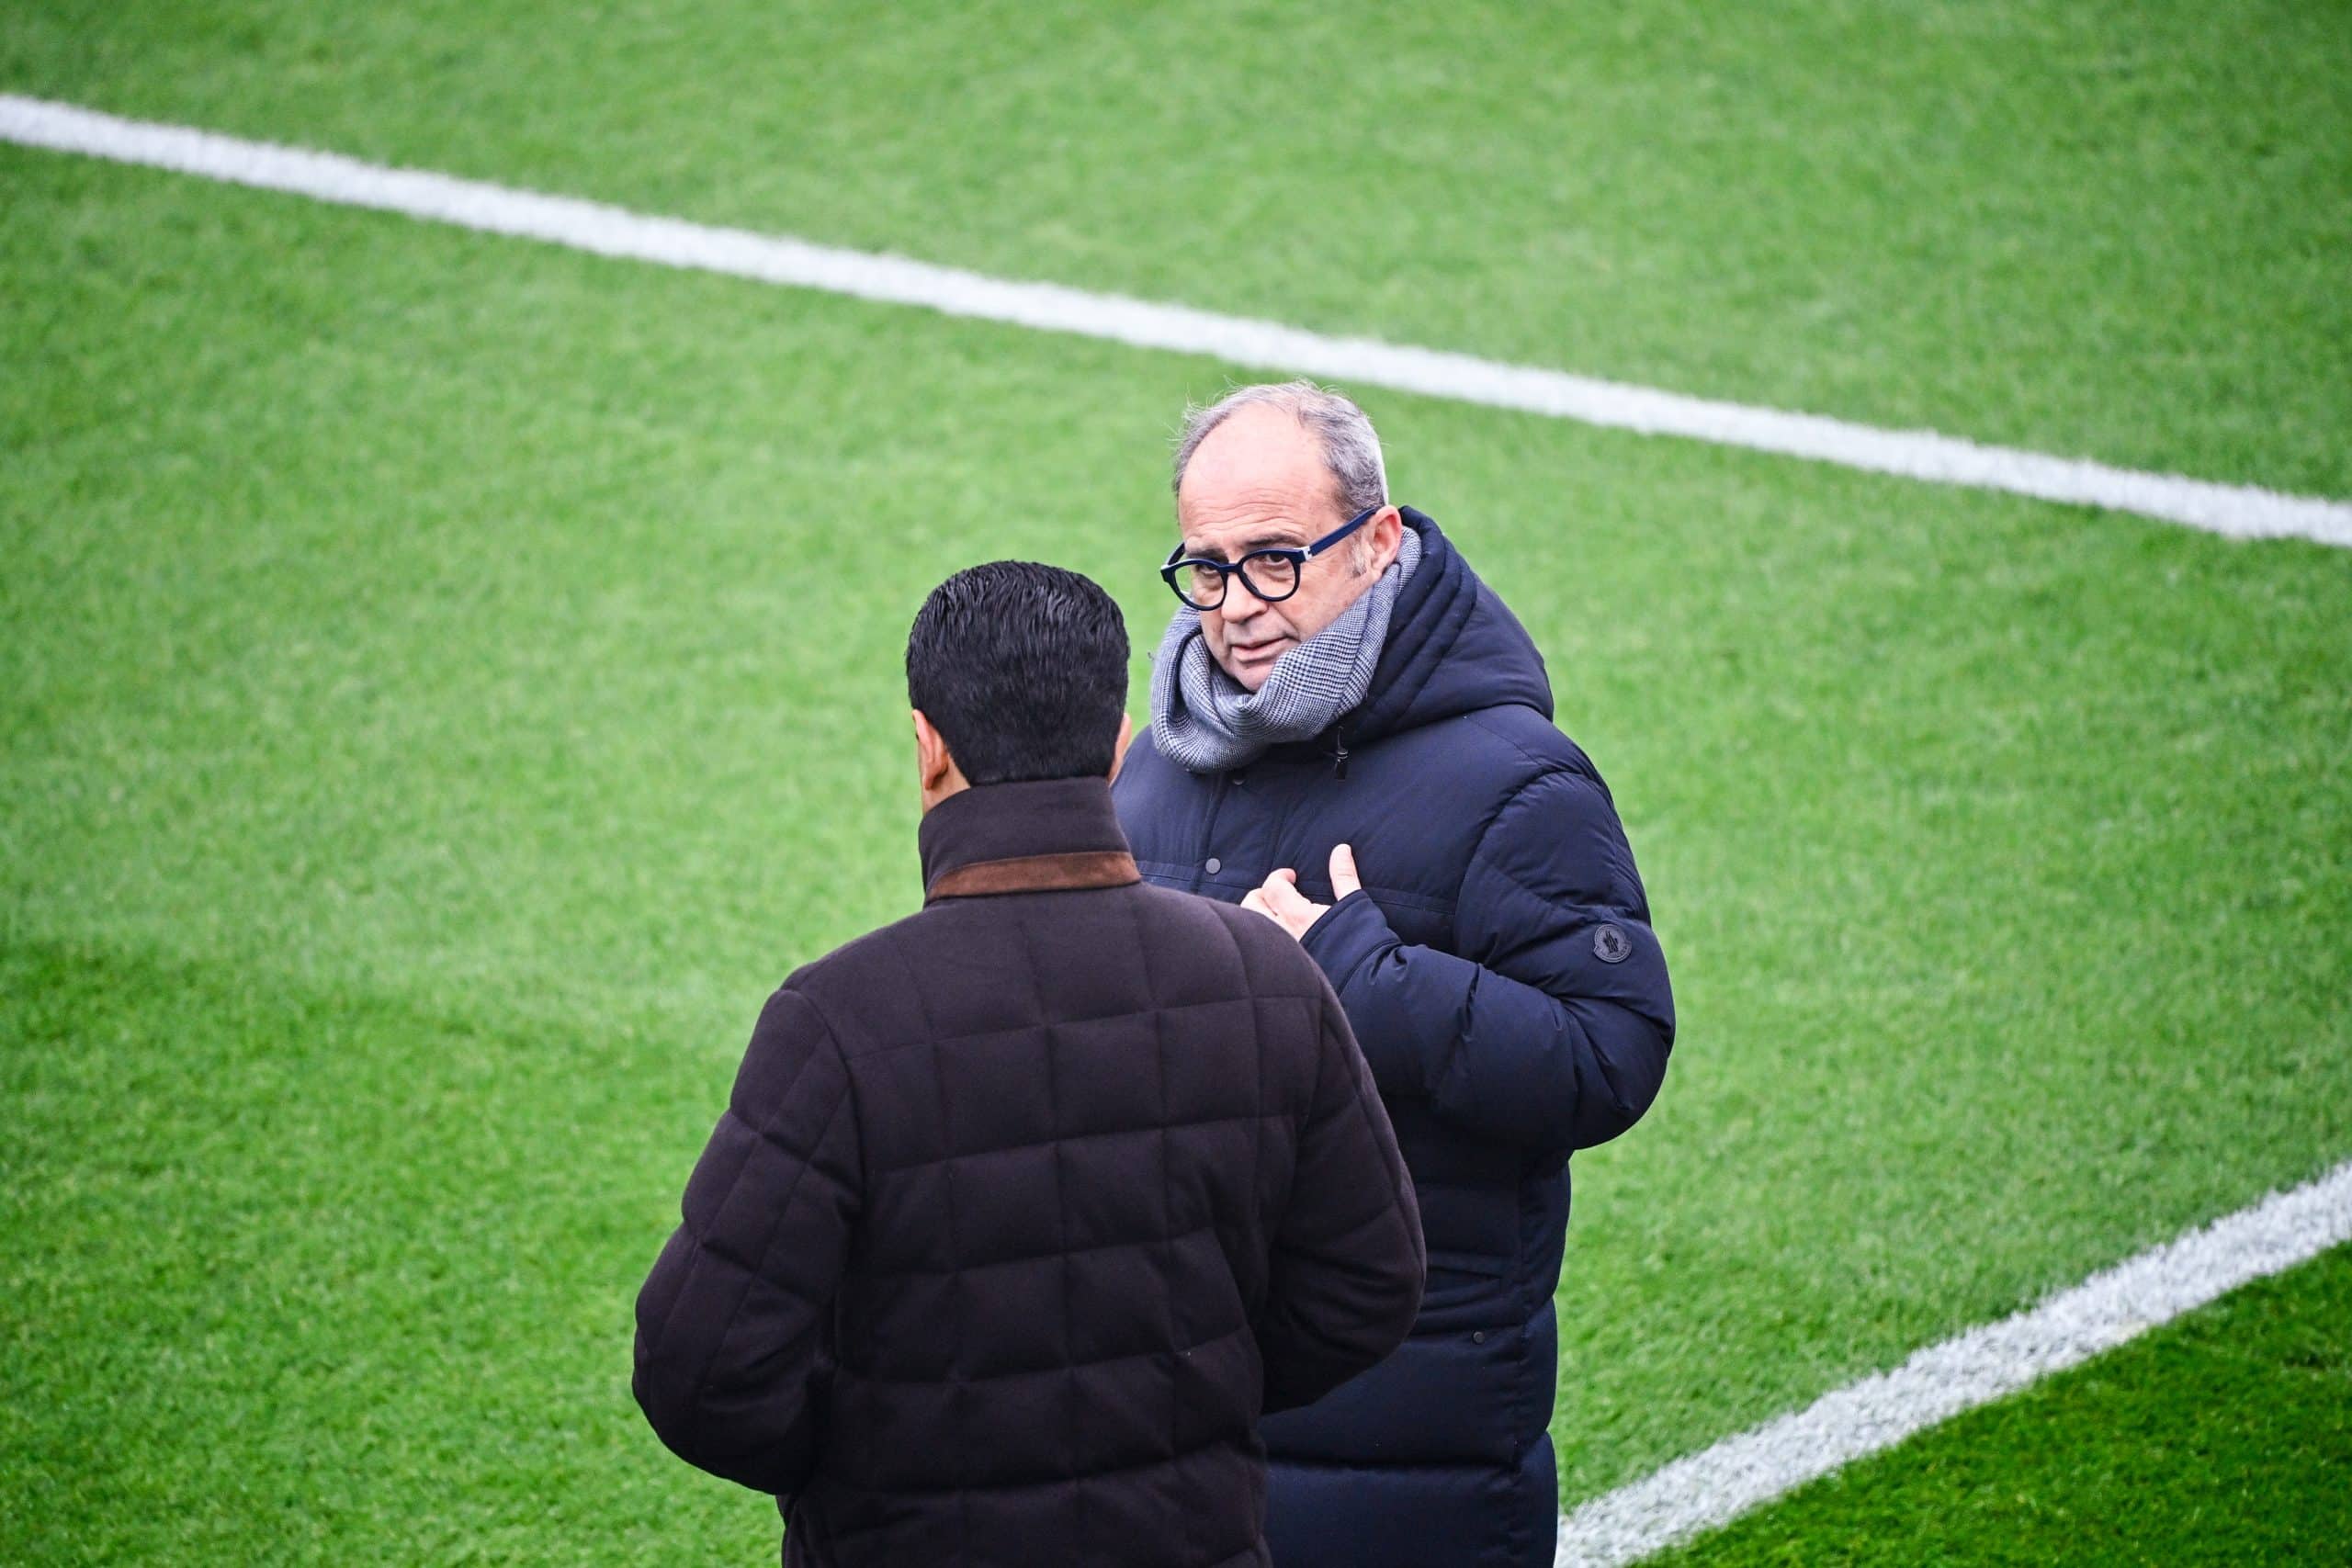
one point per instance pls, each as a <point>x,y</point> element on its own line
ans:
<point>1350,446</point>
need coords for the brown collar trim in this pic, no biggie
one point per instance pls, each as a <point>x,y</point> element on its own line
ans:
<point>1038,873</point>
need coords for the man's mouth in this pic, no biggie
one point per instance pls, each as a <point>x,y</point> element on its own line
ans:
<point>1257,652</point>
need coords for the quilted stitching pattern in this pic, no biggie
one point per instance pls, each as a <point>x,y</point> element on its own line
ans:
<point>1021,1212</point>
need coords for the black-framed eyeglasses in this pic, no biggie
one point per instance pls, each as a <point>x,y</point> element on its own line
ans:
<point>1272,574</point>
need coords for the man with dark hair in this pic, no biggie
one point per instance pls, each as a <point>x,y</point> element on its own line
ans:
<point>1351,736</point>
<point>1025,1208</point>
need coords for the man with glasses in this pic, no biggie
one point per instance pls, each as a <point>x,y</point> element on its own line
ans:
<point>1351,736</point>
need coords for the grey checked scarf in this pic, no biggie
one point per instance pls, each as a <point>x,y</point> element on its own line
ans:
<point>1204,721</point>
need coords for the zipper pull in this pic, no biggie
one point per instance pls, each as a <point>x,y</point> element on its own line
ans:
<point>1340,758</point>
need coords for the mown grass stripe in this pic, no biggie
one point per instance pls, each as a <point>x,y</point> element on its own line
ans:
<point>2238,510</point>
<point>1716,1485</point>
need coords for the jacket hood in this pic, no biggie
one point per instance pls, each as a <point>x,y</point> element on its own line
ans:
<point>1453,647</point>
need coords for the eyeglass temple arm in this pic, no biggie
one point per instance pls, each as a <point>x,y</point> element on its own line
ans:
<point>1344,529</point>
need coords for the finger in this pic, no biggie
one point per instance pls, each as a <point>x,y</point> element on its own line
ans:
<point>1255,901</point>
<point>1282,897</point>
<point>1344,879</point>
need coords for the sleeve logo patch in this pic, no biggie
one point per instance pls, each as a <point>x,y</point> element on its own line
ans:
<point>1612,945</point>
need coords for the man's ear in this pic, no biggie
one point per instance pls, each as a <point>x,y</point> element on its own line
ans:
<point>1119,749</point>
<point>932,760</point>
<point>1387,531</point>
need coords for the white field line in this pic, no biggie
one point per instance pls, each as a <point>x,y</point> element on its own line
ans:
<point>2239,510</point>
<point>1712,1487</point>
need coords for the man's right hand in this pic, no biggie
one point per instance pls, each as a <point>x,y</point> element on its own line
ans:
<point>1278,899</point>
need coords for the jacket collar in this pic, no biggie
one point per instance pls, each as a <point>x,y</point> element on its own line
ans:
<point>1043,835</point>
<point>1453,647</point>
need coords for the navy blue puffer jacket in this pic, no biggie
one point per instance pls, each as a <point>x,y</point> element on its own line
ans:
<point>1502,978</point>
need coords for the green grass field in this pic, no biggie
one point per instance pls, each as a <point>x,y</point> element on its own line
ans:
<point>447,682</point>
<point>2223,1439</point>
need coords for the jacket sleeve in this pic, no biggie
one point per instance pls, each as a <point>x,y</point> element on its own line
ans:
<point>733,1326</point>
<point>1345,1280</point>
<point>1549,1024</point>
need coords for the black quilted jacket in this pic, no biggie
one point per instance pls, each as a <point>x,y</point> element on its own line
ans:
<point>1022,1213</point>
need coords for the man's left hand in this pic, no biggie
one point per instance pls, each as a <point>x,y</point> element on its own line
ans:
<point>1278,899</point>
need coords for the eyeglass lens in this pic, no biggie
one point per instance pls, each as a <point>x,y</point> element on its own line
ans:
<point>1270,577</point>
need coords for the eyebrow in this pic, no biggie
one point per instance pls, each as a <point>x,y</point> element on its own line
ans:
<point>1255,542</point>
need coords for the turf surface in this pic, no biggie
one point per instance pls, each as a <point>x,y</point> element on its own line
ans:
<point>2223,1439</point>
<point>2113,229</point>
<point>321,1276</point>
<point>447,681</point>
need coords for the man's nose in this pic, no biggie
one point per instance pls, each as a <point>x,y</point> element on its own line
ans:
<point>1241,601</point>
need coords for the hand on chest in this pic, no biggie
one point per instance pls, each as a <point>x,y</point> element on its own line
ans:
<point>1284,857</point>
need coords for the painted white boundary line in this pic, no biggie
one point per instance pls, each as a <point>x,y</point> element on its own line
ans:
<point>1715,1486</point>
<point>2237,510</point>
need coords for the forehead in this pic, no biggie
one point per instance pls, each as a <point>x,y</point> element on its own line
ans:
<point>1257,478</point>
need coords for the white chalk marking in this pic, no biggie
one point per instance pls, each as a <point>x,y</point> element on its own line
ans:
<point>2239,510</point>
<point>1711,1488</point>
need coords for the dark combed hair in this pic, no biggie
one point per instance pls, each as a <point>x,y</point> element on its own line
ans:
<point>1023,668</point>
